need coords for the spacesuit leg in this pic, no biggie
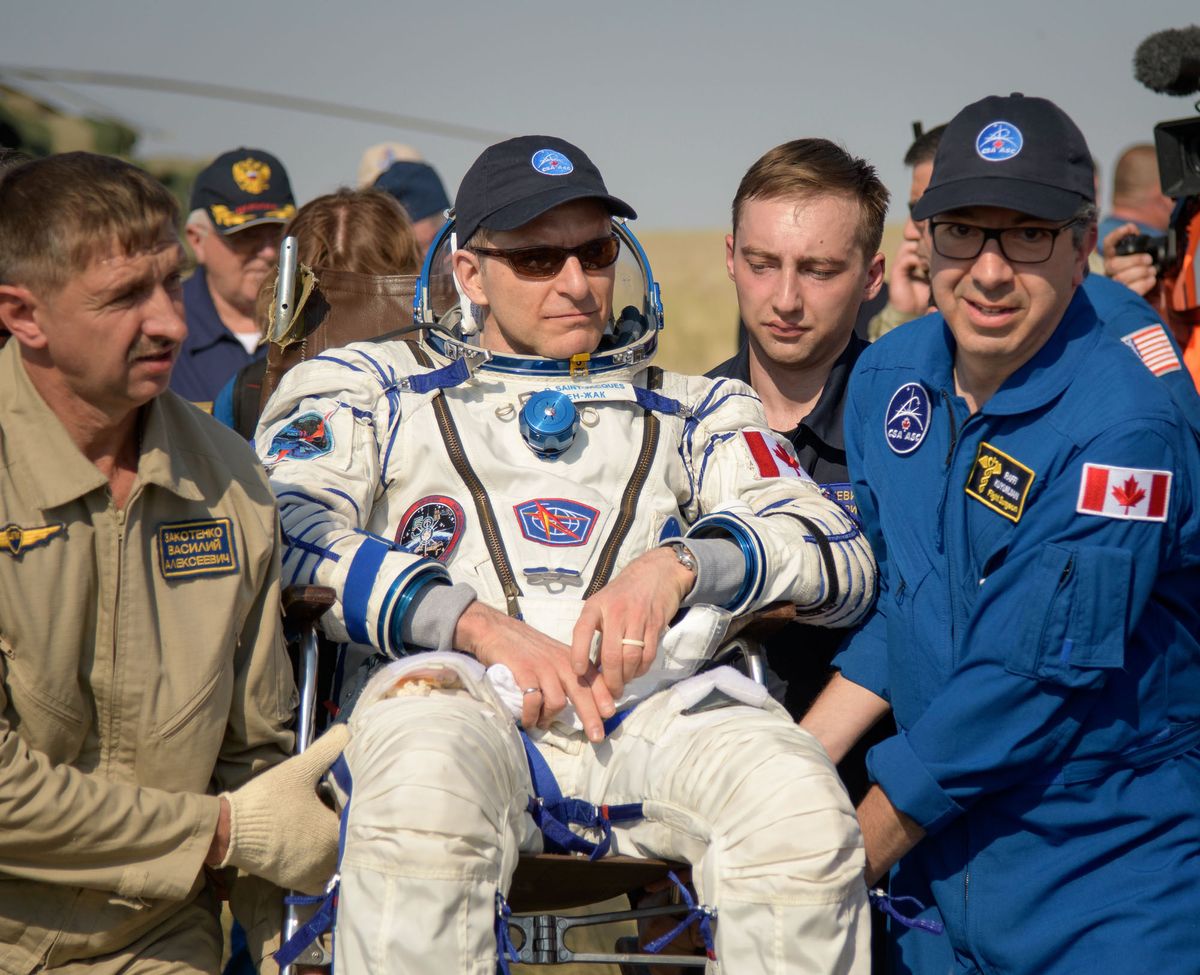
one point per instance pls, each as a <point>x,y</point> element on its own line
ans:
<point>755,804</point>
<point>436,819</point>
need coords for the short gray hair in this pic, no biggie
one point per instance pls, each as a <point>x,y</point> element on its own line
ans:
<point>1083,219</point>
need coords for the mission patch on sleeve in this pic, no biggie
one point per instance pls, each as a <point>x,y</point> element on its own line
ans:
<point>999,481</point>
<point>193,548</point>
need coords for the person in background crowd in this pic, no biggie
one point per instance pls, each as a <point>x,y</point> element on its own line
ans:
<point>908,279</point>
<point>352,239</point>
<point>1137,197</point>
<point>239,205</point>
<point>1030,492</point>
<point>143,667</point>
<point>378,158</point>
<point>419,189</point>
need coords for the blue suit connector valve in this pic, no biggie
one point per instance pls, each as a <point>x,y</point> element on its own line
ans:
<point>549,422</point>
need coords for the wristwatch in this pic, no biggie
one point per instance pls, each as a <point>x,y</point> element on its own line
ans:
<point>685,556</point>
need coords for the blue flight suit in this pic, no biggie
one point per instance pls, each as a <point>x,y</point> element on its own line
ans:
<point>211,354</point>
<point>1042,663</point>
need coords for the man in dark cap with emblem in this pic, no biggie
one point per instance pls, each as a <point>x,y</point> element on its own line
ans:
<point>1029,489</point>
<point>239,204</point>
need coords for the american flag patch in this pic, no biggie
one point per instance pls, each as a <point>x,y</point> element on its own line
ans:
<point>1154,349</point>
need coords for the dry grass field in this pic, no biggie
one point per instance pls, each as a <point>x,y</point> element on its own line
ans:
<point>698,298</point>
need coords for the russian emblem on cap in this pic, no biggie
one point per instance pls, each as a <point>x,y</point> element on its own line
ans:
<point>251,175</point>
<point>999,141</point>
<point>550,162</point>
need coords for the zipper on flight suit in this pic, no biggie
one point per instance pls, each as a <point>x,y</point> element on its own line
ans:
<point>107,744</point>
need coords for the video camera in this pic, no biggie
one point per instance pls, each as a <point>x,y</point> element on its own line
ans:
<point>1169,62</point>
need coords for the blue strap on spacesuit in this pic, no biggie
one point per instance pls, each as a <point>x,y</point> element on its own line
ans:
<point>506,951</point>
<point>323,918</point>
<point>447,377</point>
<point>881,901</point>
<point>696,913</point>
<point>554,814</point>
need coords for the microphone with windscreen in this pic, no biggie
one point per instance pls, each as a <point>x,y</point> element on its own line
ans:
<point>1169,62</point>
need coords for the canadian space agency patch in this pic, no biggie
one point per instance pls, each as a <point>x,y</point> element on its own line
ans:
<point>907,419</point>
<point>431,527</point>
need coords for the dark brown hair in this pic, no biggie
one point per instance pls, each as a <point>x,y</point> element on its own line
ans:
<point>60,213</point>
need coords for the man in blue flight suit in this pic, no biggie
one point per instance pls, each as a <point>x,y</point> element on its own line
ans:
<point>1030,491</point>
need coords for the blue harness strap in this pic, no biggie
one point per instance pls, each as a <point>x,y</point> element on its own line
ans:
<point>696,912</point>
<point>324,916</point>
<point>554,815</point>
<point>455,374</point>
<point>888,905</point>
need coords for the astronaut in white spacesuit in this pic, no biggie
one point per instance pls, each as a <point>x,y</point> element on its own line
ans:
<point>523,495</point>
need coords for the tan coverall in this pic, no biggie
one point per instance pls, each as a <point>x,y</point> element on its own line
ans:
<point>143,671</point>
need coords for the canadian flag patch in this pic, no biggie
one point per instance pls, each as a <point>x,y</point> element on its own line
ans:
<point>1124,492</point>
<point>771,458</point>
<point>1154,349</point>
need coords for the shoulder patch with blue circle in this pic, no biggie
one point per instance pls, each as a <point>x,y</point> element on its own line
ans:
<point>551,162</point>
<point>907,418</point>
<point>431,527</point>
<point>304,438</point>
<point>999,141</point>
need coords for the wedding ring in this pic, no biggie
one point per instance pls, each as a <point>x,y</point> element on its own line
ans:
<point>532,690</point>
<point>633,643</point>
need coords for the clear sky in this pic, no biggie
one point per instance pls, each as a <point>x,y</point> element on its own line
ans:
<point>673,100</point>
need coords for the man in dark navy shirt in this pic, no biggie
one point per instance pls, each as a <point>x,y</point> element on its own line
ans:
<point>239,205</point>
<point>803,256</point>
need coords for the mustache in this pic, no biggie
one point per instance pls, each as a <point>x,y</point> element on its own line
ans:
<point>151,347</point>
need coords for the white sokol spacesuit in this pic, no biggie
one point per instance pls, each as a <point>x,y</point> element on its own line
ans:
<point>401,466</point>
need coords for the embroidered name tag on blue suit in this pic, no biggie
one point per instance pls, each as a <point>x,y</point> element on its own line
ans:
<point>196,548</point>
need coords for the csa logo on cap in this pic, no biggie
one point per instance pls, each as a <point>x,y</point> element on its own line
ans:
<point>252,176</point>
<point>552,163</point>
<point>999,141</point>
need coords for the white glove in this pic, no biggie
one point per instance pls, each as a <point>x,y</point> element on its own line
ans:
<point>279,829</point>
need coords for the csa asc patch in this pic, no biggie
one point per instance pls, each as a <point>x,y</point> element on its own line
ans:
<point>550,162</point>
<point>15,540</point>
<point>1154,349</point>
<point>999,141</point>
<point>306,437</point>
<point>1000,482</point>
<point>432,527</point>
<point>771,458</point>
<point>842,495</point>
<point>556,521</point>
<point>907,418</point>
<point>1124,492</point>
<point>197,548</point>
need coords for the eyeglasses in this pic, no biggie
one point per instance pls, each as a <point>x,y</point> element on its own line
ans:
<point>1021,245</point>
<point>546,260</point>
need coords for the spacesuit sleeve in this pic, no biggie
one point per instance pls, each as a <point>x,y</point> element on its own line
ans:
<point>325,437</point>
<point>747,486</point>
<point>1051,630</point>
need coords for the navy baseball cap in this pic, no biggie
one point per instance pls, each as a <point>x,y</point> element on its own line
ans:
<point>1020,153</point>
<point>244,188</point>
<point>517,181</point>
<point>417,186</point>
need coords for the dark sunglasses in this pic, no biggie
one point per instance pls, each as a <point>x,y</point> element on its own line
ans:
<point>545,260</point>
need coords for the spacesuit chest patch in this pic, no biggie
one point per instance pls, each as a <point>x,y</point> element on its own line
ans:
<point>196,548</point>
<point>431,527</point>
<point>305,437</point>
<point>999,481</point>
<point>907,418</point>
<point>559,522</point>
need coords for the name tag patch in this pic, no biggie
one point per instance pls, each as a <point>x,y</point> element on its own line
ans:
<point>843,495</point>
<point>999,482</point>
<point>195,548</point>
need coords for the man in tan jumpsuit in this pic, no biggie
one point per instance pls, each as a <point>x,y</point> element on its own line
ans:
<point>143,670</point>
